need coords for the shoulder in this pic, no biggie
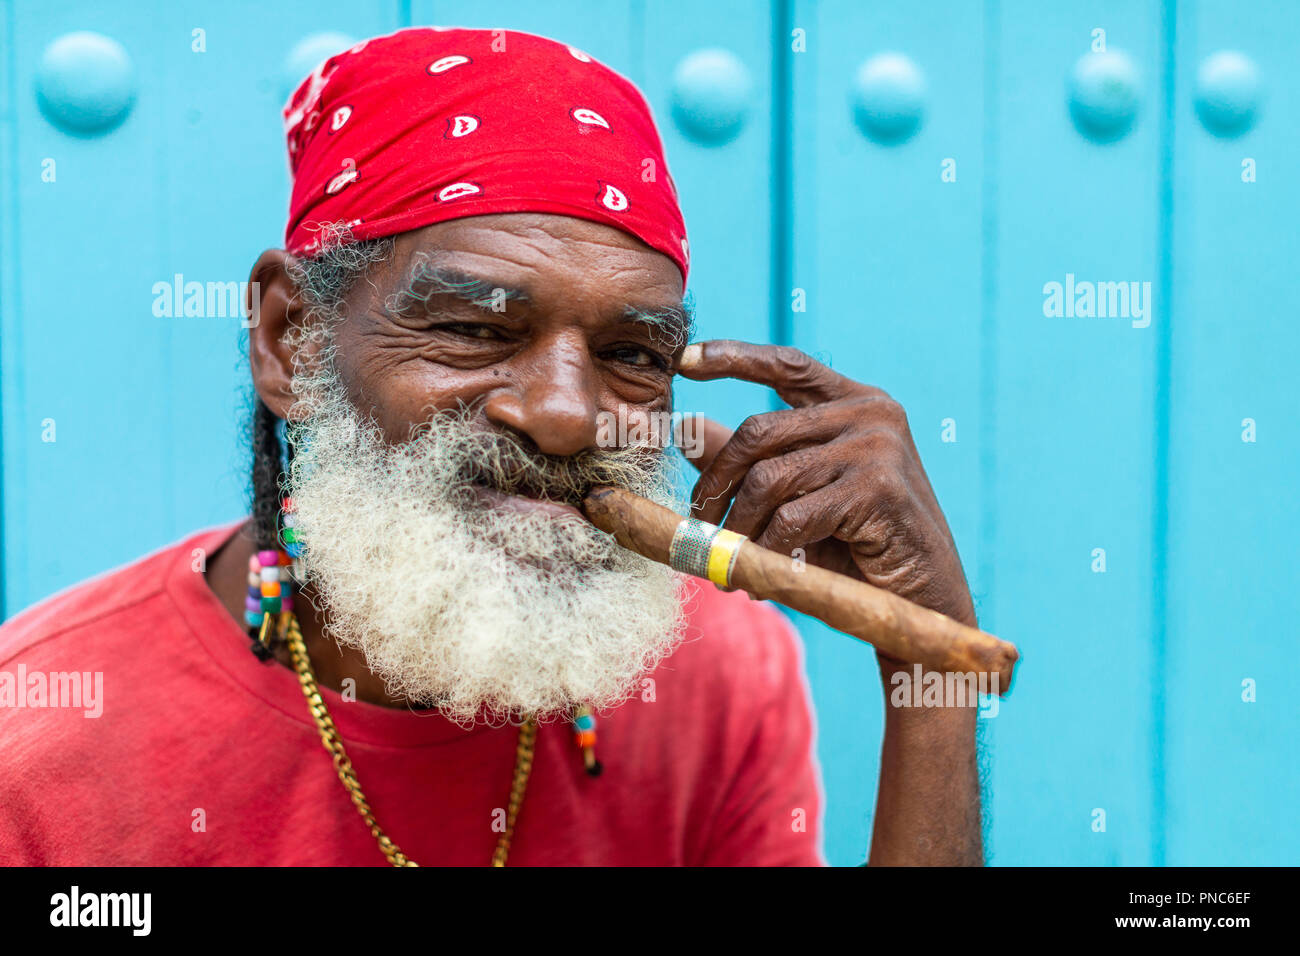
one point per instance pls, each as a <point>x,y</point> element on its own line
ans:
<point>85,697</point>
<point>59,658</point>
<point>98,603</point>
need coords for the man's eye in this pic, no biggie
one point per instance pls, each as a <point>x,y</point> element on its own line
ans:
<point>472,330</point>
<point>642,358</point>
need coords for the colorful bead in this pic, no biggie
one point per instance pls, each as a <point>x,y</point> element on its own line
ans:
<point>584,733</point>
<point>271,583</point>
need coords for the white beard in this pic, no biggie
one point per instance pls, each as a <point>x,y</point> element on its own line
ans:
<point>488,615</point>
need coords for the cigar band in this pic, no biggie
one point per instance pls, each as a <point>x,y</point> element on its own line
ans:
<point>704,550</point>
<point>722,556</point>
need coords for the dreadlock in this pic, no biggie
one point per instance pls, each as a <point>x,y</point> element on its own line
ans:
<point>323,282</point>
<point>268,476</point>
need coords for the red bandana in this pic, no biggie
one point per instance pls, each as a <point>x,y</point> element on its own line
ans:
<point>426,125</point>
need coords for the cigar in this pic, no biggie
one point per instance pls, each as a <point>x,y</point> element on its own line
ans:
<point>891,624</point>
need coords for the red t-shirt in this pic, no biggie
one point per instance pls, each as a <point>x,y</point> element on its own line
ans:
<point>202,755</point>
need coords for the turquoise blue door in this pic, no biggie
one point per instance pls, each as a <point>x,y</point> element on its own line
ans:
<point>1062,235</point>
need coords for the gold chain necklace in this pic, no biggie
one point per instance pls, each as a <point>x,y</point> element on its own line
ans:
<point>329,736</point>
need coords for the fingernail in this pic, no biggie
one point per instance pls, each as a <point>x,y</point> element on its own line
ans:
<point>691,356</point>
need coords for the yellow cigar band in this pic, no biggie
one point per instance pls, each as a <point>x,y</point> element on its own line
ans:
<point>722,556</point>
<point>704,550</point>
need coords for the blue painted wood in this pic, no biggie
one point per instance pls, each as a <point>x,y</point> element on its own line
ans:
<point>1074,449</point>
<point>145,410</point>
<point>1233,781</point>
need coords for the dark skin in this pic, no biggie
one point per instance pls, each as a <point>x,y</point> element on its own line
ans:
<point>836,475</point>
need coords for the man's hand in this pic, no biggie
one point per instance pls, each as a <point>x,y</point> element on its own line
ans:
<point>838,475</point>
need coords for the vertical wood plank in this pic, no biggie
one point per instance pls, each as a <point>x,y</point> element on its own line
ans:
<point>1075,436</point>
<point>1233,781</point>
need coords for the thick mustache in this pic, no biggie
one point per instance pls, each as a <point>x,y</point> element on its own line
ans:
<point>503,462</point>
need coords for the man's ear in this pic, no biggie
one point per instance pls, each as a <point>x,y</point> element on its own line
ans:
<point>279,308</point>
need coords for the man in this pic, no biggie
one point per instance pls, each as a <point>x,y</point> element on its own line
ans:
<point>478,270</point>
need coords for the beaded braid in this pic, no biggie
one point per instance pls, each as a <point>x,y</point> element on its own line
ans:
<point>268,475</point>
<point>584,735</point>
<point>270,581</point>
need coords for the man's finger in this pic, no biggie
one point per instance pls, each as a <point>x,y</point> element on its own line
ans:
<point>759,437</point>
<point>797,377</point>
<point>773,483</point>
<point>805,520</point>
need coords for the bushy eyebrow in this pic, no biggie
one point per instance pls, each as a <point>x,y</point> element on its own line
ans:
<point>673,326</point>
<point>426,279</point>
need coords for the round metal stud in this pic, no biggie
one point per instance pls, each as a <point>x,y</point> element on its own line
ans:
<point>889,98</point>
<point>1104,93</point>
<point>1227,93</point>
<point>710,96</point>
<point>310,52</point>
<point>85,83</point>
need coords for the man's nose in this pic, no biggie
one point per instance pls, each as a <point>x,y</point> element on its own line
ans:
<point>550,397</point>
